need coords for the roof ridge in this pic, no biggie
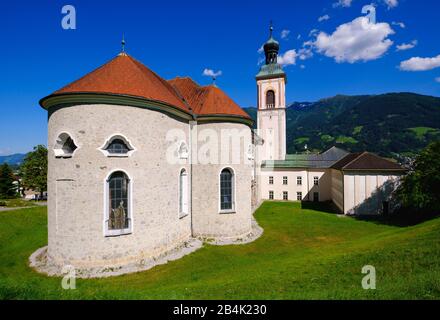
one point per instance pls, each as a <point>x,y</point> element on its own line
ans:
<point>358,156</point>
<point>171,88</point>
<point>183,99</point>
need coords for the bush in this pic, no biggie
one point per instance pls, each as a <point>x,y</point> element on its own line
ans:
<point>420,189</point>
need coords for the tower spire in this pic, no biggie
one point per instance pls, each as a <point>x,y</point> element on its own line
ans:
<point>271,47</point>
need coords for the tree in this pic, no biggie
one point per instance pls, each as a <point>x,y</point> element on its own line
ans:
<point>7,188</point>
<point>34,169</point>
<point>420,189</point>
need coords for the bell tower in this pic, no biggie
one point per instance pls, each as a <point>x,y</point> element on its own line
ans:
<point>271,101</point>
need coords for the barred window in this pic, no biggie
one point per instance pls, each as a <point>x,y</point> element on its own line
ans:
<point>117,146</point>
<point>299,196</point>
<point>118,202</point>
<point>285,195</point>
<point>271,180</point>
<point>299,181</point>
<point>226,190</point>
<point>285,180</point>
<point>270,195</point>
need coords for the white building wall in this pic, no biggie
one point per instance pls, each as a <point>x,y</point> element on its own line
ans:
<point>337,189</point>
<point>307,188</point>
<point>272,122</point>
<point>208,221</point>
<point>364,192</point>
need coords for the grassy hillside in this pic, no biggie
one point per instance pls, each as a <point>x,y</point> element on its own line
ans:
<point>388,124</point>
<point>303,254</point>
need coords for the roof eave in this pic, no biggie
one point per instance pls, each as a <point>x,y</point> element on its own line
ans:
<point>225,117</point>
<point>72,98</point>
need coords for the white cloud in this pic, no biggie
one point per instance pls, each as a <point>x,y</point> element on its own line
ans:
<point>313,32</point>
<point>406,46</point>
<point>211,73</point>
<point>342,3</point>
<point>391,3</point>
<point>400,24</point>
<point>305,53</point>
<point>420,64</point>
<point>298,37</point>
<point>324,18</point>
<point>437,79</point>
<point>261,49</point>
<point>288,58</point>
<point>358,40</point>
<point>285,33</point>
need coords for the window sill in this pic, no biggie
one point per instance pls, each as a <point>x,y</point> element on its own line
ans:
<point>117,233</point>
<point>232,211</point>
<point>117,155</point>
<point>183,215</point>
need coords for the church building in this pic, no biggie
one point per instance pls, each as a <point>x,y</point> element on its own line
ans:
<point>139,165</point>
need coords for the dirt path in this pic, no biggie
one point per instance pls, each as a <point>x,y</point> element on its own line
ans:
<point>2,209</point>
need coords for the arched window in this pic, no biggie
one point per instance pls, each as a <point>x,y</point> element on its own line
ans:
<point>270,99</point>
<point>227,190</point>
<point>64,146</point>
<point>117,146</point>
<point>183,193</point>
<point>118,216</point>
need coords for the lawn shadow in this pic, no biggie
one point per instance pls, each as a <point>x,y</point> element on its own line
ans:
<point>400,218</point>
<point>327,207</point>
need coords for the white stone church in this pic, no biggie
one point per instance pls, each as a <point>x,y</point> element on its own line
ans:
<point>139,165</point>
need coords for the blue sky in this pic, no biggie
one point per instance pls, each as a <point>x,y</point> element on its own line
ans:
<point>182,38</point>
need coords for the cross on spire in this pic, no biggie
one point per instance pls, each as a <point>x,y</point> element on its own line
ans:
<point>123,43</point>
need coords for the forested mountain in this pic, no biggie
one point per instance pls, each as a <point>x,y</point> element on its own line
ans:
<point>388,124</point>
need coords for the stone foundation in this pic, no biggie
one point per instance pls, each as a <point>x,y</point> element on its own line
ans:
<point>40,262</point>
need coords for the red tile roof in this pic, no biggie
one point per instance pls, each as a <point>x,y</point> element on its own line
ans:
<point>124,75</point>
<point>208,100</point>
<point>366,161</point>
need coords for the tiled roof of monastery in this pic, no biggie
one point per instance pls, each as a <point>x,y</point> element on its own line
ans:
<point>126,76</point>
<point>208,100</point>
<point>366,161</point>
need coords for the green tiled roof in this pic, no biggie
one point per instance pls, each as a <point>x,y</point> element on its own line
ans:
<point>321,160</point>
<point>269,70</point>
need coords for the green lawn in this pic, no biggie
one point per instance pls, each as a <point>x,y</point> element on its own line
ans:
<point>303,254</point>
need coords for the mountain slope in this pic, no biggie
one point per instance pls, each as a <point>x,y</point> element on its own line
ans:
<point>13,159</point>
<point>387,124</point>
